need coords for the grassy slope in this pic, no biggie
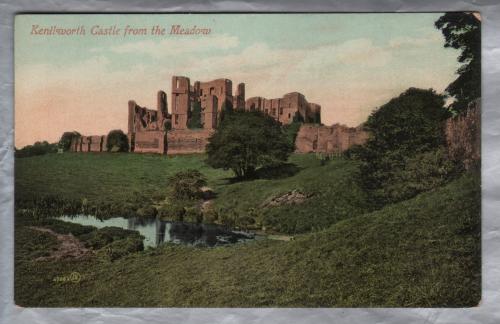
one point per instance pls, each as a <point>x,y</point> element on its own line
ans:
<point>102,177</point>
<point>135,179</point>
<point>421,252</point>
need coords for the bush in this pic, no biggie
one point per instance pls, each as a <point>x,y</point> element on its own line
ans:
<point>66,138</point>
<point>117,141</point>
<point>187,184</point>
<point>123,247</point>
<point>247,140</point>
<point>423,172</point>
<point>106,235</point>
<point>147,211</point>
<point>39,148</point>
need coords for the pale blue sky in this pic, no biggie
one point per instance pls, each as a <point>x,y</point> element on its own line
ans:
<point>347,63</point>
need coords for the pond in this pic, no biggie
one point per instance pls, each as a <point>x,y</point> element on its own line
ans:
<point>157,231</point>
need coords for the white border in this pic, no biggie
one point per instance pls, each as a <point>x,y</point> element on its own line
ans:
<point>487,312</point>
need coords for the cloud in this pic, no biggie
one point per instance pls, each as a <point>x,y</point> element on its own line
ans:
<point>412,42</point>
<point>347,79</point>
<point>174,46</point>
<point>362,52</point>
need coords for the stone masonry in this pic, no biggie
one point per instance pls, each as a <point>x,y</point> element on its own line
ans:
<point>333,139</point>
<point>88,144</point>
<point>157,131</point>
<point>291,107</point>
<point>147,128</point>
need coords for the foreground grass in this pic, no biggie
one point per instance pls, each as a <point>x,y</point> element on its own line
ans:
<point>424,252</point>
<point>124,183</point>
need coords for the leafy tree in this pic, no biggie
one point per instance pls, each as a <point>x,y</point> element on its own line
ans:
<point>462,31</point>
<point>407,125</point>
<point>117,141</point>
<point>247,140</point>
<point>66,138</point>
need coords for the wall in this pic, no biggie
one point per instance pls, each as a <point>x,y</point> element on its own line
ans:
<point>286,108</point>
<point>334,139</point>
<point>150,142</point>
<point>187,141</point>
<point>463,135</point>
<point>96,143</point>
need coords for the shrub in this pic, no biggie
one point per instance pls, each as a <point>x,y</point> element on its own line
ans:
<point>187,184</point>
<point>123,247</point>
<point>39,148</point>
<point>423,172</point>
<point>66,138</point>
<point>117,141</point>
<point>147,211</point>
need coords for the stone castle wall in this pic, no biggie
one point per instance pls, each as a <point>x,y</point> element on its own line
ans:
<point>187,141</point>
<point>290,107</point>
<point>463,135</point>
<point>88,144</point>
<point>149,142</point>
<point>333,139</point>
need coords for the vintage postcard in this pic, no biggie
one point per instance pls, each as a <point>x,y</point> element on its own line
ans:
<point>248,160</point>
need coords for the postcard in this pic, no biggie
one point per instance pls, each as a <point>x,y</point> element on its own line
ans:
<point>248,160</point>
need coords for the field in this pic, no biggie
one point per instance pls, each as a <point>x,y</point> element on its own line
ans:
<point>128,182</point>
<point>423,252</point>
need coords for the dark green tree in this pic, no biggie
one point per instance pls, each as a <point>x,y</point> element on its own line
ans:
<point>195,116</point>
<point>39,148</point>
<point>407,125</point>
<point>462,31</point>
<point>117,141</point>
<point>247,140</point>
<point>66,139</point>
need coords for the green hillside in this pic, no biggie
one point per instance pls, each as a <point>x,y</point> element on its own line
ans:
<point>123,183</point>
<point>418,253</point>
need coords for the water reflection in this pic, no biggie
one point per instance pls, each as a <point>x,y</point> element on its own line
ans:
<point>157,232</point>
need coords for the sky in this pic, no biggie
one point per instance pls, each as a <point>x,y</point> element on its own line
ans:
<point>350,64</point>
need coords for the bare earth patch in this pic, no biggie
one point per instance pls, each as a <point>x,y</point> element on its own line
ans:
<point>293,197</point>
<point>69,246</point>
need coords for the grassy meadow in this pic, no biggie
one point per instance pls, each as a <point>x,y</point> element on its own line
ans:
<point>422,252</point>
<point>127,182</point>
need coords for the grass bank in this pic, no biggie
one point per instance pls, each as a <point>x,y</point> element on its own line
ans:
<point>423,252</point>
<point>121,184</point>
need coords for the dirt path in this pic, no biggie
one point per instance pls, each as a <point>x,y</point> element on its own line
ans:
<point>69,246</point>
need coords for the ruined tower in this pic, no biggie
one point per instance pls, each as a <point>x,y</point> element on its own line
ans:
<point>181,100</point>
<point>239,98</point>
<point>209,106</point>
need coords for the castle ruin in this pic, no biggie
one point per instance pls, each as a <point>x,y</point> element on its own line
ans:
<point>196,110</point>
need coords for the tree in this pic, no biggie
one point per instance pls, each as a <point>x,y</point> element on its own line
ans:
<point>39,148</point>
<point>195,116</point>
<point>187,184</point>
<point>66,138</point>
<point>247,140</point>
<point>462,31</point>
<point>406,126</point>
<point>117,141</point>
